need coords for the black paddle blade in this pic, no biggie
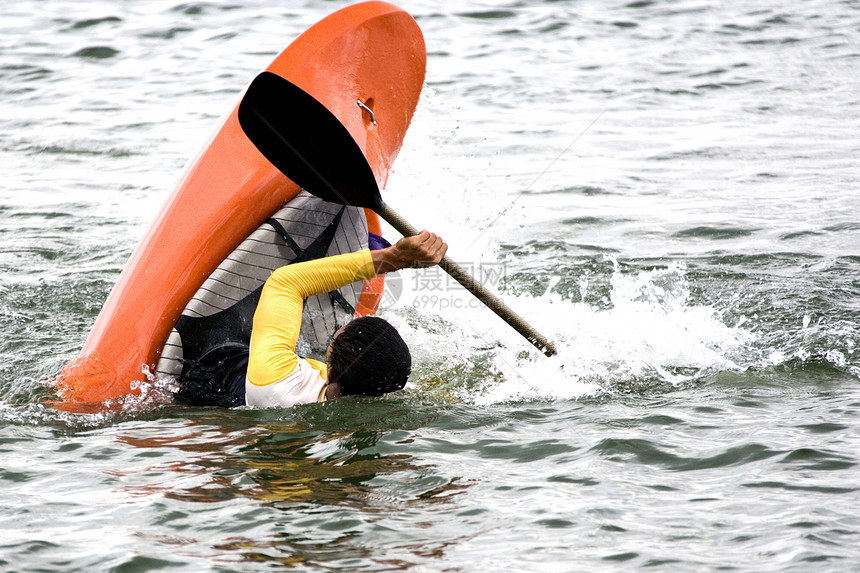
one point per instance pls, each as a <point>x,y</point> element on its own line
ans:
<point>307,143</point>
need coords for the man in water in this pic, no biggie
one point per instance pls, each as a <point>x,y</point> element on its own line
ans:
<point>366,357</point>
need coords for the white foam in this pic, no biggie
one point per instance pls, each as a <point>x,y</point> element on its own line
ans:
<point>649,334</point>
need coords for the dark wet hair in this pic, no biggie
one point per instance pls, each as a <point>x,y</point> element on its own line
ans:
<point>369,358</point>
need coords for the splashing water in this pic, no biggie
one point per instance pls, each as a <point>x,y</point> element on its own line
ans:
<point>649,335</point>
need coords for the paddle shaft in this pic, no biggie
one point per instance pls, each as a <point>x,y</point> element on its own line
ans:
<point>308,144</point>
<point>473,286</point>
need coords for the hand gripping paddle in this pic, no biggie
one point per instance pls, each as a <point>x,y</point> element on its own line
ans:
<point>309,145</point>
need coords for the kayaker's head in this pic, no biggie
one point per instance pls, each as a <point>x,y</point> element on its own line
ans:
<point>368,357</point>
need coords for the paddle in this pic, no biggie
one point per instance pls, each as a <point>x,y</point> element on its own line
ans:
<point>308,144</point>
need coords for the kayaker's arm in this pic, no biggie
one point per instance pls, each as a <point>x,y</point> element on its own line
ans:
<point>278,318</point>
<point>422,250</point>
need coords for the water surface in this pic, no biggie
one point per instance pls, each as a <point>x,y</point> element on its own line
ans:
<point>667,189</point>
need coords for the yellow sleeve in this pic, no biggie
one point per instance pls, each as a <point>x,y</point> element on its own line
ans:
<point>278,318</point>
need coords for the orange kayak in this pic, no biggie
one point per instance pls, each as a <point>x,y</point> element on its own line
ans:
<point>366,64</point>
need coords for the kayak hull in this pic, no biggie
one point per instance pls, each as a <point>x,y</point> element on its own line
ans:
<point>371,53</point>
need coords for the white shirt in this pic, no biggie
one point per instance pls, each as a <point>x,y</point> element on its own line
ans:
<point>303,385</point>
